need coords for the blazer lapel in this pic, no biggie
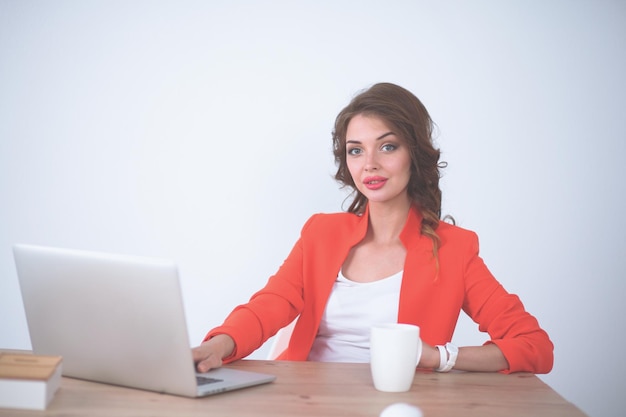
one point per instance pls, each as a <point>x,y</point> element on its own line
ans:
<point>419,271</point>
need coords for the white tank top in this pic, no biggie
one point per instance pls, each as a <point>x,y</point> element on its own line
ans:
<point>352,308</point>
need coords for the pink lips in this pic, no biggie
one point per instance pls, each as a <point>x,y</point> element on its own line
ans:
<point>374,183</point>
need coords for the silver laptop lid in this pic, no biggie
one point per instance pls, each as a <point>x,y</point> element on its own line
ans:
<point>114,319</point>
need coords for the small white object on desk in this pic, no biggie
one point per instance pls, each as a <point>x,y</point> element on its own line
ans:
<point>401,410</point>
<point>28,381</point>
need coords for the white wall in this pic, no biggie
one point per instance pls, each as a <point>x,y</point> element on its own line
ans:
<point>200,131</point>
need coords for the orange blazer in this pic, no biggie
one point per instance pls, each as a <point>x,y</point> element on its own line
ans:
<point>429,298</point>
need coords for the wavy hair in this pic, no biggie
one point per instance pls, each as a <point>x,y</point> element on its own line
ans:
<point>406,114</point>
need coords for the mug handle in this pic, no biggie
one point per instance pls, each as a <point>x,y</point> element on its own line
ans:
<point>419,351</point>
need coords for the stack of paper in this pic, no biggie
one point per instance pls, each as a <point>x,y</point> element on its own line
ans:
<point>28,381</point>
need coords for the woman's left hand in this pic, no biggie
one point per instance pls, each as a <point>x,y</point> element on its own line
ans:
<point>429,358</point>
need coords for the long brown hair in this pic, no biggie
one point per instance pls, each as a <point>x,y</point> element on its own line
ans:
<point>406,114</point>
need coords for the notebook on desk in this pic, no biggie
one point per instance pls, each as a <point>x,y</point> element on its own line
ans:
<point>115,319</point>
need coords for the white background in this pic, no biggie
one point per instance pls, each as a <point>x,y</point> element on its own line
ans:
<point>200,131</point>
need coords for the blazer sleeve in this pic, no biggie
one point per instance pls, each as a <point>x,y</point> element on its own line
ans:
<point>502,315</point>
<point>268,310</point>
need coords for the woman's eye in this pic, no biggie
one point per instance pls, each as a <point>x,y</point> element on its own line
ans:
<point>354,151</point>
<point>388,147</point>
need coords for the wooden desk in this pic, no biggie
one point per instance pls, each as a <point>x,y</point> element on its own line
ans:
<point>322,390</point>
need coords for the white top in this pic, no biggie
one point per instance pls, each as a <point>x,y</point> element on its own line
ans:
<point>352,308</point>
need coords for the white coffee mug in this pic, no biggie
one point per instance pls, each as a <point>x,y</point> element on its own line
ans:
<point>395,351</point>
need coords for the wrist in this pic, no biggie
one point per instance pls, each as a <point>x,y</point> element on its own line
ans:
<point>224,343</point>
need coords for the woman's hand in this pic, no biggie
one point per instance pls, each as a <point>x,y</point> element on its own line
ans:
<point>209,354</point>
<point>429,358</point>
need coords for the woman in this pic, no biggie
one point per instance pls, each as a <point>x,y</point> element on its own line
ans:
<point>388,259</point>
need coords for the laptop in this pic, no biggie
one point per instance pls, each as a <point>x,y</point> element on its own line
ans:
<point>115,319</point>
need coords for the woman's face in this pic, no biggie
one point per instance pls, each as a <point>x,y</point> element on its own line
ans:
<point>378,160</point>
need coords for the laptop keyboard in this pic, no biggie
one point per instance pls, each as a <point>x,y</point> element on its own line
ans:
<point>203,380</point>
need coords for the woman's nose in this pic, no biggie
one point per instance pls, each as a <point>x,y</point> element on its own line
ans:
<point>371,162</point>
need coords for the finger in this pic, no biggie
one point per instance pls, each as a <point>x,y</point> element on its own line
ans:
<point>198,354</point>
<point>209,363</point>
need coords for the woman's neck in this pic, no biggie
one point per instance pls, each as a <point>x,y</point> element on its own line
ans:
<point>387,221</point>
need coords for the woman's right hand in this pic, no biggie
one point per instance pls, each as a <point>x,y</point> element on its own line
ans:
<point>209,354</point>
